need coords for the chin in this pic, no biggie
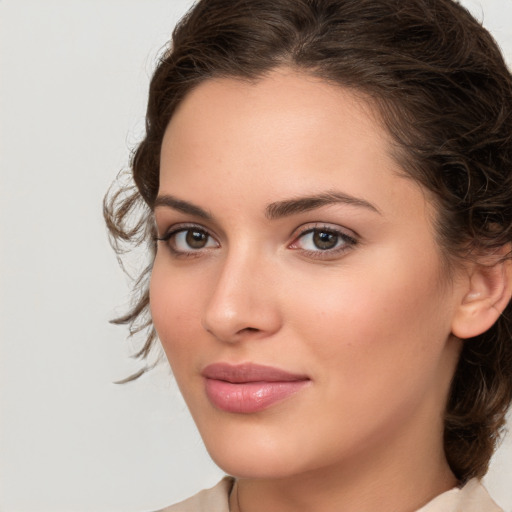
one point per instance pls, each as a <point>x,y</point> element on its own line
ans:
<point>248,464</point>
<point>251,451</point>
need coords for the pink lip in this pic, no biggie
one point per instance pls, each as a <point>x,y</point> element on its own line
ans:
<point>249,388</point>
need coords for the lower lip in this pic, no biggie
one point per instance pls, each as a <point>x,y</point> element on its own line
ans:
<point>248,397</point>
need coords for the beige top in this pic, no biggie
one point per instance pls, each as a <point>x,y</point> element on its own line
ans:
<point>473,497</point>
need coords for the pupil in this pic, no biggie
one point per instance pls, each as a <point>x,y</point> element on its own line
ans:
<point>196,239</point>
<point>325,240</point>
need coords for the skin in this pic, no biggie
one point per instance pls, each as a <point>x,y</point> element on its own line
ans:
<point>369,322</point>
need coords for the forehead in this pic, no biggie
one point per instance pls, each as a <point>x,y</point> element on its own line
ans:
<point>282,136</point>
<point>276,115</point>
<point>282,87</point>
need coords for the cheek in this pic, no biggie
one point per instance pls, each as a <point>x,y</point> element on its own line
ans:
<point>175,310</point>
<point>376,350</point>
<point>371,321</point>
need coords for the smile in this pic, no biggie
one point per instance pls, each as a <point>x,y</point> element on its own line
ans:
<point>249,388</point>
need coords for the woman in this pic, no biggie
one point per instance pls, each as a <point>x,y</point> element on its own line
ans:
<point>326,187</point>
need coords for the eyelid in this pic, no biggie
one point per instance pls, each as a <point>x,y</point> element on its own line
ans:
<point>183,226</point>
<point>175,229</point>
<point>349,237</point>
<point>335,228</point>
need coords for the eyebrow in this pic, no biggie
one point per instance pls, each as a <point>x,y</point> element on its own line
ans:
<point>275,210</point>
<point>181,206</point>
<point>303,204</point>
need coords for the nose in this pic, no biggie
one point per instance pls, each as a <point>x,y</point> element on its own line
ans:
<point>244,302</point>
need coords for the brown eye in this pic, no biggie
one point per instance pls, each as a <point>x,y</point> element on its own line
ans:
<point>196,239</point>
<point>325,240</point>
<point>189,240</point>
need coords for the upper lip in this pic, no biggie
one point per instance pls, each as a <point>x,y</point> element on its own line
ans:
<point>249,372</point>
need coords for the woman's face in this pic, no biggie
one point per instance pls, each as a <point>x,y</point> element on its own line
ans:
<point>298,290</point>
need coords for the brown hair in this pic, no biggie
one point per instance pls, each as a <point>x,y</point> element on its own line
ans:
<point>445,95</point>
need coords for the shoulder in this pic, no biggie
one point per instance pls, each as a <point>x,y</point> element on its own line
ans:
<point>215,499</point>
<point>473,497</point>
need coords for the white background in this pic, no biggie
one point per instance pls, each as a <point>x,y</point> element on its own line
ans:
<point>73,84</point>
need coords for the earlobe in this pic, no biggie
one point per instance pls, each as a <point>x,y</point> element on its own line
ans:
<point>487,295</point>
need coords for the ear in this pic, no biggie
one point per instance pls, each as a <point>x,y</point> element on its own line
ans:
<point>486,296</point>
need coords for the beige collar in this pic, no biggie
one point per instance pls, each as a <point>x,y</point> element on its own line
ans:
<point>473,497</point>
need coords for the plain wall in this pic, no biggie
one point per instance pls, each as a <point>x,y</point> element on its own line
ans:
<point>73,85</point>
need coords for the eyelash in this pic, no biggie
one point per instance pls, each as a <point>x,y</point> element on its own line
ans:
<point>170,239</point>
<point>347,241</point>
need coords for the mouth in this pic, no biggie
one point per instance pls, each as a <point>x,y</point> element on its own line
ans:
<point>249,388</point>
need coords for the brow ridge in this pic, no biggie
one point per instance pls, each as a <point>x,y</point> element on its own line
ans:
<point>294,206</point>
<point>181,206</point>
<point>275,210</point>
